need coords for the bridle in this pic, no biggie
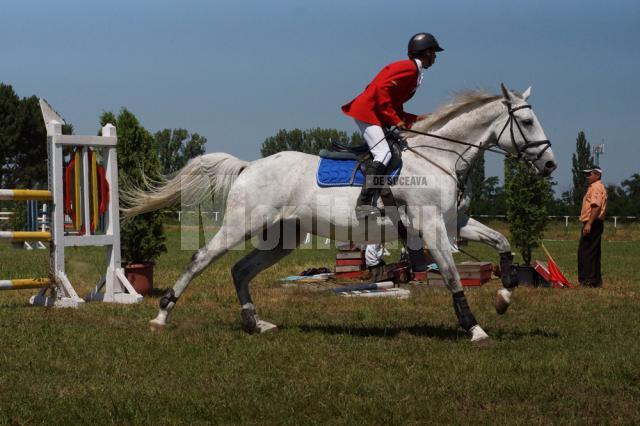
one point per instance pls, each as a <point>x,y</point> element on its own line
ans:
<point>520,154</point>
<point>520,150</point>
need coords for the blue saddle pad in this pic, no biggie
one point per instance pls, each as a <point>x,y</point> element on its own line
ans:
<point>341,173</point>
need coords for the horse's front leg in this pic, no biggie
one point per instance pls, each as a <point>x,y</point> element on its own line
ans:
<point>435,238</point>
<point>472,230</point>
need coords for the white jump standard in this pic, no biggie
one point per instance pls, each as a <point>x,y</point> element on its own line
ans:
<point>57,290</point>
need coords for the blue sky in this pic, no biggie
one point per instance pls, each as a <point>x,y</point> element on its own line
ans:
<point>238,71</point>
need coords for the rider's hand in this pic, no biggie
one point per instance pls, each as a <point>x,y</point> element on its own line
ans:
<point>401,125</point>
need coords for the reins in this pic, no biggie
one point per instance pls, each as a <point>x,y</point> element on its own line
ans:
<point>520,150</point>
<point>433,135</point>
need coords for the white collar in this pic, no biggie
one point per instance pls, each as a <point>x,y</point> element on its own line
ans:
<point>420,70</point>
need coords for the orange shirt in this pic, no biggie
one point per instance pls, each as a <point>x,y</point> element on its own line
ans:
<point>596,195</point>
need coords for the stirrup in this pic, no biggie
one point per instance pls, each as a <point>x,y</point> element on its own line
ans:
<point>363,211</point>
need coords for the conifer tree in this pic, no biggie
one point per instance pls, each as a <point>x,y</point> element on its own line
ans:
<point>581,160</point>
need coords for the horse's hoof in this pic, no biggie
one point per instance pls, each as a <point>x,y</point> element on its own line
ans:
<point>265,327</point>
<point>157,326</point>
<point>503,301</point>
<point>478,336</point>
<point>259,326</point>
<point>252,324</point>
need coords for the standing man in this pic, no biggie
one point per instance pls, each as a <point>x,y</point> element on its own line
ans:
<point>380,106</point>
<point>594,207</point>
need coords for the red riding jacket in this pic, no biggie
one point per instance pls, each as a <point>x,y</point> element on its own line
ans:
<point>382,100</point>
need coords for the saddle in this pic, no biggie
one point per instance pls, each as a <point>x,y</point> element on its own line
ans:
<point>343,165</point>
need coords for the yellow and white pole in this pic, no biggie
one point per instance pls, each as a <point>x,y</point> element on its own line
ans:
<point>25,195</point>
<point>20,236</point>
<point>24,283</point>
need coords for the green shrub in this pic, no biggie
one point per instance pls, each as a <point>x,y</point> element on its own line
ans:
<point>527,199</point>
<point>142,238</point>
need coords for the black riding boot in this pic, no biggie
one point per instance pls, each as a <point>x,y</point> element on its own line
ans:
<point>366,201</point>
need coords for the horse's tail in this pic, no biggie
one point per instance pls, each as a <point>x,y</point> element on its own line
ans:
<point>201,178</point>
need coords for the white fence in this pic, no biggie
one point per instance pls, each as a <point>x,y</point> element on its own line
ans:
<point>615,220</point>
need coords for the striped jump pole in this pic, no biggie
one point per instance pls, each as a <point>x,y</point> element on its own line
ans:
<point>25,195</point>
<point>24,283</point>
<point>19,236</point>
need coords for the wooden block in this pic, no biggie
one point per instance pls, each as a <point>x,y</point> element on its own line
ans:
<point>474,266</point>
<point>350,255</point>
<point>468,282</point>
<point>344,262</point>
<point>420,276</point>
<point>348,268</point>
<point>355,275</point>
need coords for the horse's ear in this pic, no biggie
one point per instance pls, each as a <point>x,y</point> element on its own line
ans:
<point>508,96</point>
<point>526,94</point>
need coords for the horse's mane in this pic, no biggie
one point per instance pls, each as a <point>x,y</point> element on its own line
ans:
<point>462,101</point>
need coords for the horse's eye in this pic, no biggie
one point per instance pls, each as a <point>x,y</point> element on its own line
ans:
<point>528,122</point>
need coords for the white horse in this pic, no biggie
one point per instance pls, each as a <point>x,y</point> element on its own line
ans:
<point>280,192</point>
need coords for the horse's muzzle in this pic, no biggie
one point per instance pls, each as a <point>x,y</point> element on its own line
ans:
<point>549,167</point>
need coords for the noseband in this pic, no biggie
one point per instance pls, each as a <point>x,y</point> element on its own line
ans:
<point>521,151</point>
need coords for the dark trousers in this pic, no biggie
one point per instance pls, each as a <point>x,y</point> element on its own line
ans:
<point>589,253</point>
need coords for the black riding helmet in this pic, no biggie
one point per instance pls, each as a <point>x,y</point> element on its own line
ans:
<point>421,42</point>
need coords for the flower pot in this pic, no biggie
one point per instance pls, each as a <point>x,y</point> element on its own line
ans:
<point>140,275</point>
<point>527,275</point>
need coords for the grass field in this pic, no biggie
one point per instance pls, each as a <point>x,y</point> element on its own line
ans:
<point>560,356</point>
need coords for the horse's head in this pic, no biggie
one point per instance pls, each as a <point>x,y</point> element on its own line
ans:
<point>522,134</point>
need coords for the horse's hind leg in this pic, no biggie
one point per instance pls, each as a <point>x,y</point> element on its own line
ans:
<point>245,270</point>
<point>225,239</point>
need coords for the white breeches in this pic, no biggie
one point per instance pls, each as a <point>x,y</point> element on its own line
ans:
<point>374,136</point>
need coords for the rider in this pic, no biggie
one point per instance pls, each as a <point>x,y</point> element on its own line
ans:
<point>380,105</point>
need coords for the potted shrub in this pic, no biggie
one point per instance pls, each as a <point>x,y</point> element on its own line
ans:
<point>142,238</point>
<point>527,199</point>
